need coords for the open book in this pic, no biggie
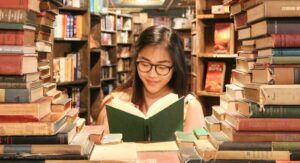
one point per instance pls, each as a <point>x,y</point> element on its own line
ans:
<point>163,118</point>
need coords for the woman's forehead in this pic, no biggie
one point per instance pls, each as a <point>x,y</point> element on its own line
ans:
<point>155,52</point>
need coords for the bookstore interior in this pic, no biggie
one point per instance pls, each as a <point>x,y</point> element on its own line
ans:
<point>60,59</point>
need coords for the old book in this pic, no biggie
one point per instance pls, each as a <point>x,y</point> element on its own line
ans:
<point>259,136</point>
<point>278,40</point>
<point>21,95</point>
<point>271,9</point>
<point>278,52</point>
<point>212,124</point>
<point>17,37</point>
<point>22,16</point>
<point>234,91</point>
<point>240,20</point>
<point>124,118</point>
<point>218,112</point>
<point>240,78</point>
<point>244,65</point>
<point>249,42</point>
<point>285,146</point>
<point>185,139</point>
<point>29,85</point>
<point>112,138</point>
<point>11,49</point>
<point>189,155</point>
<point>215,76</point>
<point>48,87</point>
<point>61,105</point>
<point>253,110</point>
<point>205,149</point>
<point>64,136</point>
<point>272,94</point>
<point>222,143</point>
<point>278,60</point>
<point>242,123</point>
<point>49,125</point>
<point>276,74</point>
<point>20,112</point>
<point>16,26</point>
<point>43,46</point>
<point>46,19</point>
<point>24,4</point>
<point>244,33</point>
<point>49,6</point>
<point>26,78</point>
<point>95,132</point>
<point>201,133</point>
<point>275,26</point>
<point>227,102</point>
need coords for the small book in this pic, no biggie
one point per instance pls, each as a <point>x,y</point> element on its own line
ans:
<point>163,118</point>
<point>215,76</point>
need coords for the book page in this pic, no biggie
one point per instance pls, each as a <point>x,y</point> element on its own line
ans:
<point>126,107</point>
<point>161,104</point>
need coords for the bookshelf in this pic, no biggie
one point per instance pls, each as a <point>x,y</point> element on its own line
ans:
<point>213,40</point>
<point>71,54</point>
<point>124,27</point>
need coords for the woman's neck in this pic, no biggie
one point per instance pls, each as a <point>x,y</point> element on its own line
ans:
<point>150,98</point>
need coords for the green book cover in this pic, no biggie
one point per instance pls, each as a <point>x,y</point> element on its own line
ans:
<point>163,118</point>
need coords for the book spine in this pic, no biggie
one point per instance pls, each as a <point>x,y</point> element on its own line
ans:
<point>285,146</point>
<point>18,118</point>
<point>55,139</point>
<point>15,95</point>
<point>283,26</point>
<point>268,124</point>
<point>10,85</point>
<point>21,4</point>
<point>11,64</point>
<point>286,40</point>
<point>286,52</point>
<point>285,60</point>
<point>15,79</point>
<point>13,16</point>
<point>266,136</point>
<point>275,111</point>
<point>11,37</point>
<point>245,146</point>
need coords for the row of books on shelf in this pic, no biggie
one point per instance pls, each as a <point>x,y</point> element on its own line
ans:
<point>124,23</point>
<point>67,68</point>
<point>96,6</point>
<point>75,3</point>
<point>68,26</point>
<point>108,23</point>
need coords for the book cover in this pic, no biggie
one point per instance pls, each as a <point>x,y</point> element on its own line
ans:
<point>222,37</point>
<point>163,118</point>
<point>214,81</point>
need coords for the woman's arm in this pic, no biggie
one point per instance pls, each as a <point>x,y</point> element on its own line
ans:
<point>194,115</point>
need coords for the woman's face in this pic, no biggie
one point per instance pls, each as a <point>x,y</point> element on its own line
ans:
<point>157,59</point>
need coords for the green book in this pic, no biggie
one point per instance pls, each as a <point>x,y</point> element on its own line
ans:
<point>163,118</point>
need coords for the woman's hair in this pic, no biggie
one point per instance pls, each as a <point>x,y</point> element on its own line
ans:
<point>160,35</point>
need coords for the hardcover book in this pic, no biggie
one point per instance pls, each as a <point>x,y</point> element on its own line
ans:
<point>163,118</point>
<point>214,81</point>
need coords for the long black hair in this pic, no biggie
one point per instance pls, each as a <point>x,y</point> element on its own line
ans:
<point>160,35</point>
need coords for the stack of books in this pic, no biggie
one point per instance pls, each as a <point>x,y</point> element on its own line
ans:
<point>258,115</point>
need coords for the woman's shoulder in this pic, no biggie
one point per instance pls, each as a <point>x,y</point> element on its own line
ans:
<point>189,98</point>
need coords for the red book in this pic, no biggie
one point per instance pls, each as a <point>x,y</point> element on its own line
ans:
<point>33,5</point>
<point>241,123</point>
<point>17,37</point>
<point>214,81</point>
<point>17,64</point>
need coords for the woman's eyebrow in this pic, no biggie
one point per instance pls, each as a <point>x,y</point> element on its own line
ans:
<point>162,61</point>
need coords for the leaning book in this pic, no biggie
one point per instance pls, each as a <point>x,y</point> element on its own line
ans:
<point>163,118</point>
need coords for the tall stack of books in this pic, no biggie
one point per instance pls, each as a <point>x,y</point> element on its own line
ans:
<point>30,127</point>
<point>258,116</point>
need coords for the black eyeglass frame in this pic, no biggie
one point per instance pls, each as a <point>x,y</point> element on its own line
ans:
<point>155,67</point>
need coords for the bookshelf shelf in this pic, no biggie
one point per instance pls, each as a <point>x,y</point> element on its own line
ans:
<point>71,39</point>
<point>125,30</point>
<point>211,94</point>
<point>73,9</point>
<point>108,79</point>
<point>95,50</point>
<point>110,65</point>
<point>95,15</point>
<point>73,83</point>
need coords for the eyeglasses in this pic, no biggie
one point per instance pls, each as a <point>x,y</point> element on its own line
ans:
<point>162,70</point>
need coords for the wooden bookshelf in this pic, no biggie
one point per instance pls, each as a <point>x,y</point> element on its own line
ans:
<point>206,49</point>
<point>69,43</point>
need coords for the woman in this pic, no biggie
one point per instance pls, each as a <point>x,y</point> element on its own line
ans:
<point>159,68</point>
